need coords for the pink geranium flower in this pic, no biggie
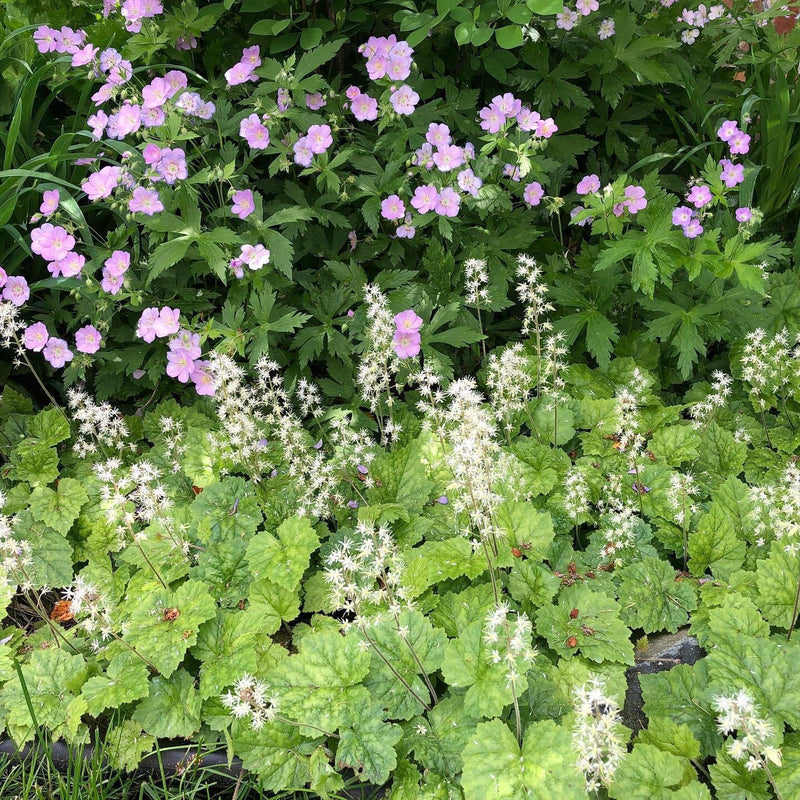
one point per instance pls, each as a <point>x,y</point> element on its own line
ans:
<point>319,138</point>
<point>404,100</point>
<point>406,345</point>
<point>49,202</point>
<point>408,321</point>
<point>117,263</point>
<point>254,132</point>
<point>365,108</point>
<point>635,199</point>
<point>447,203</point>
<point>699,196</point>
<point>393,208</point>
<point>203,381</point>
<point>57,353</point>
<point>425,198</point>
<point>243,203</point>
<point>533,193</point>
<point>16,290</point>
<point>88,339</point>
<point>36,337</point>
<point>180,364</point>
<point>145,201</point>
<point>588,185</point>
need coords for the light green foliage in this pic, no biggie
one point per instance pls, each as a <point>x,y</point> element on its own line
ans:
<point>283,558</point>
<point>523,525</point>
<point>714,545</point>
<point>126,744</point>
<point>432,562</point>
<point>125,680</point>
<point>172,707</point>
<point>778,577</point>
<point>58,509</point>
<point>598,631</point>
<point>652,599</point>
<point>160,634</point>
<point>496,766</point>
<point>647,773</point>
<point>367,745</point>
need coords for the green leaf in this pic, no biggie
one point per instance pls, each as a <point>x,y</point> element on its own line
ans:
<point>532,584</point>
<point>367,745</point>
<point>647,773</point>
<point>652,599</point>
<point>432,562</point>
<point>733,781</point>
<point>53,679</point>
<point>51,553</point>
<point>599,632</point>
<point>403,478</point>
<point>125,744</point>
<point>667,735</point>
<point>49,427</point>
<point>787,776</point>
<point>232,644</point>
<point>283,558</point>
<point>172,708</point>
<point>777,578</point>
<point>58,509</point>
<point>428,645</point>
<point>467,665</point>
<point>274,603</point>
<point>34,462</point>
<point>438,739</point>
<point>715,546</point>
<point>544,6</point>
<point>509,36</point>
<point>160,634</point>
<point>524,525</point>
<point>319,683</point>
<point>125,680</point>
<point>278,754</point>
<point>495,766</point>
<point>316,58</point>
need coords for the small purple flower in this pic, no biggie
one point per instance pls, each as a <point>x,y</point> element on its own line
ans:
<point>425,198</point>
<point>743,214</point>
<point>180,364</point>
<point>393,208</point>
<point>574,213</point>
<point>693,228</point>
<point>255,256</point>
<point>239,73</point>
<point>145,201</point>
<point>362,470</point>
<point>438,135</point>
<point>151,154</point>
<point>606,29</point>
<point>88,339</point>
<point>682,215</point>
<point>254,132</point>
<point>243,203</point>
<point>469,182</point>
<point>303,154</point>
<point>100,185</point>
<point>56,352</point>
<point>50,201</point>
<point>404,100</point>
<point>448,157</point>
<point>739,143</point>
<point>492,119</point>
<point>315,101</point>
<point>365,108</point>
<point>448,203</point>
<point>588,185</point>
<point>406,345</point>
<point>16,290</point>
<point>319,138</point>
<point>70,266</point>
<point>352,503</point>
<point>156,93</point>
<point>352,92</point>
<point>202,379</point>
<point>732,174</point>
<point>728,130</point>
<point>283,100</point>
<point>634,198</point>
<point>442,501</point>
<point>36,337</point>
<point>546,128</point>
<point>111,283</point>
<point>172,166</point>
<point>117,263</point>
<point>407,321</point>
<point>699,196</point>
<point>533,193</point>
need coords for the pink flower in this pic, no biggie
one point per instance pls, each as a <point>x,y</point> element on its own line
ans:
<point>635,199</point>
<point>425,198</point>
<point>406,345</point>
<point>51,242</point>
<point>352,92</point>
<point>546,128</point>
<point>3,277</point>
<point>408,321</point>
<point>186,340</point>
<point>283,100</point>
<point>243,203</point>
<point>393,208</point>
<point>303,154</point>
<point>49,202</point>
<point>252,56</point>
<point>527,119</point>
<point>202,379</point>
<point>692,229</point>
<point>254,133</point>
<point>315,101</point>
<point>468,181</point>
<point>156,322</point>
<point>376,67</point>
<point>438,135</point>
<point>36,337</point>
<point>606,29</point>
<point>732,174</point>
<point>172,165</point>
<point>151,154</point>
<point>682,215</point>
<point>56,352</point>
<point>743,214</point>
<point>319,138</point>
<point>728,130</point>
<point>566,19</point>
<point>88,339</point>
<point>45,38</point>
<point>240,73</point>
<point>97,122</point>
<point>574,213</point>
<point>447,203</point>
<point>533,193</point>
<point>180,364</point>
<point>739,143</point>
<point>255,256</point>
<point>70,266</point>
<point>588,185</point>
<point>365,108</point>
<point>448,157</point>
<point>398,67</point>
<point>99,185</point>
<point>585,7</point>
<point>16,290</point>
<point>406,231</point>
<point>507,104</point>
<point>404,100</point>
<point>111,283</point>
<point>176,80</point>
<point>699,196</point>
<point>146,201</point>
<point>492,119</point>
<point>156,93</point>
<point>118,263</point>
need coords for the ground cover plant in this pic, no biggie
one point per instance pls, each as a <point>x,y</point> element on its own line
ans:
<point>378,379</point>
